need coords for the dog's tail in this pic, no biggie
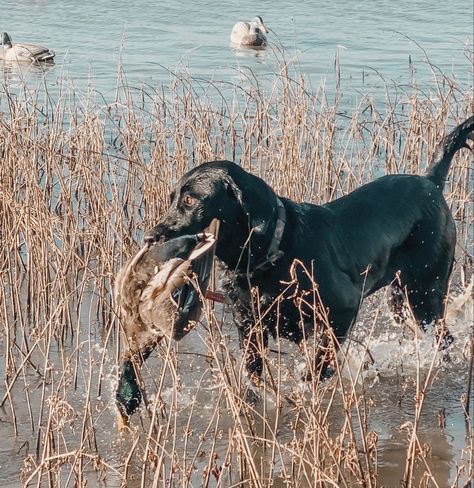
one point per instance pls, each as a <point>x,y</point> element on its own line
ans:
<point>441,161</point>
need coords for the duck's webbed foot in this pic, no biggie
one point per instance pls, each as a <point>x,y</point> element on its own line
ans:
<point>128,395</point>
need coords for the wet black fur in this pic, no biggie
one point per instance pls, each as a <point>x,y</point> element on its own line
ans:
<point>353,245</point>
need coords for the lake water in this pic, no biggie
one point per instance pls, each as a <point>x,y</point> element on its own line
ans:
<point>381,47</point>
<point>375,41</point>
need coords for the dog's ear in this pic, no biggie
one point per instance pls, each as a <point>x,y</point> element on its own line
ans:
<point>256,199</point>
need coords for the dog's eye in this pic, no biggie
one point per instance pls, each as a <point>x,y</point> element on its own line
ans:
<point>189,201</point>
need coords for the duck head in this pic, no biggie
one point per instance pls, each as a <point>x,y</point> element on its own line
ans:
<point>257,22</point>
<point>6,40</point>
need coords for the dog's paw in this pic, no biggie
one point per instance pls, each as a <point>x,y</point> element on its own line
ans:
<point>325,374</point>
<point>252,396</point>
<point>444,338</point>
<point>445,341</point>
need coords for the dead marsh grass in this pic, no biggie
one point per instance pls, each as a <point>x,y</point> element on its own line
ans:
<point>80,181</point>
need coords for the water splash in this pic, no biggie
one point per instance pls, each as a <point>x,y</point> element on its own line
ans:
<point>383,348</point>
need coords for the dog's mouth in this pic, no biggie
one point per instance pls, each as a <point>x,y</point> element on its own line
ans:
<point>162,233</point>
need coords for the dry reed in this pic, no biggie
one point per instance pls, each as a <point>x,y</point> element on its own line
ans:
<point>81,180</point>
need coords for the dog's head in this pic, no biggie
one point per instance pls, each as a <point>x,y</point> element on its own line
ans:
<point>244,204</point>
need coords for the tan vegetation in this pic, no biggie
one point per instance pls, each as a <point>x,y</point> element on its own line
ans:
<point>80,181</point>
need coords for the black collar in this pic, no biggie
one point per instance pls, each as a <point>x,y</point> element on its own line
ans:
<point>274,252</point>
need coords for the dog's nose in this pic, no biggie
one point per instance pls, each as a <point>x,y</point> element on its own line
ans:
<point>153,235</point>
<point>149,239</point>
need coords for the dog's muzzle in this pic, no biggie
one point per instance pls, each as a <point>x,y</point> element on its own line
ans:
<point>154,235</point>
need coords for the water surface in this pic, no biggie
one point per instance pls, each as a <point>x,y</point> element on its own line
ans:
<point>377,43</point>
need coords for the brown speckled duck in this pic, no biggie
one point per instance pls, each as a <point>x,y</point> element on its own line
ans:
<point>155,298</point>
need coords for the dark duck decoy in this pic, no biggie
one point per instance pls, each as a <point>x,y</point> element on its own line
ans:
<point>22,52</point>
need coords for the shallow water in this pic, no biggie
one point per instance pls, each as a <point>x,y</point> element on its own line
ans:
<point>192,395</point>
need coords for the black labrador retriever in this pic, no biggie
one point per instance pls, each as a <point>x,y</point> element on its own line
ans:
<point>397,226</point>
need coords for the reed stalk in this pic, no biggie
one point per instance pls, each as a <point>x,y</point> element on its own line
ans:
<point>82,179</point>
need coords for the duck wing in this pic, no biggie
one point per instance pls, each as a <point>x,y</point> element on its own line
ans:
<point>255,38</point>
<point>239,31</point>
<point>191,294</point>
<point>33,52</point>
<point>172,295</point>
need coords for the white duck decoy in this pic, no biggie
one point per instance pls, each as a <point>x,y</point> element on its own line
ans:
<point>155,299</point>
<point>25,53</point>
<point>251,34</point>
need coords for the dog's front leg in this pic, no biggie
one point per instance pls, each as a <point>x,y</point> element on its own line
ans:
<point>252,333</point>
<point>253,341</point>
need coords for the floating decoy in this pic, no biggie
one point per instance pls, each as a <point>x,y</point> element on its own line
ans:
<point>23,53</point>
<point>156,298</point>
<point>250,34</point>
